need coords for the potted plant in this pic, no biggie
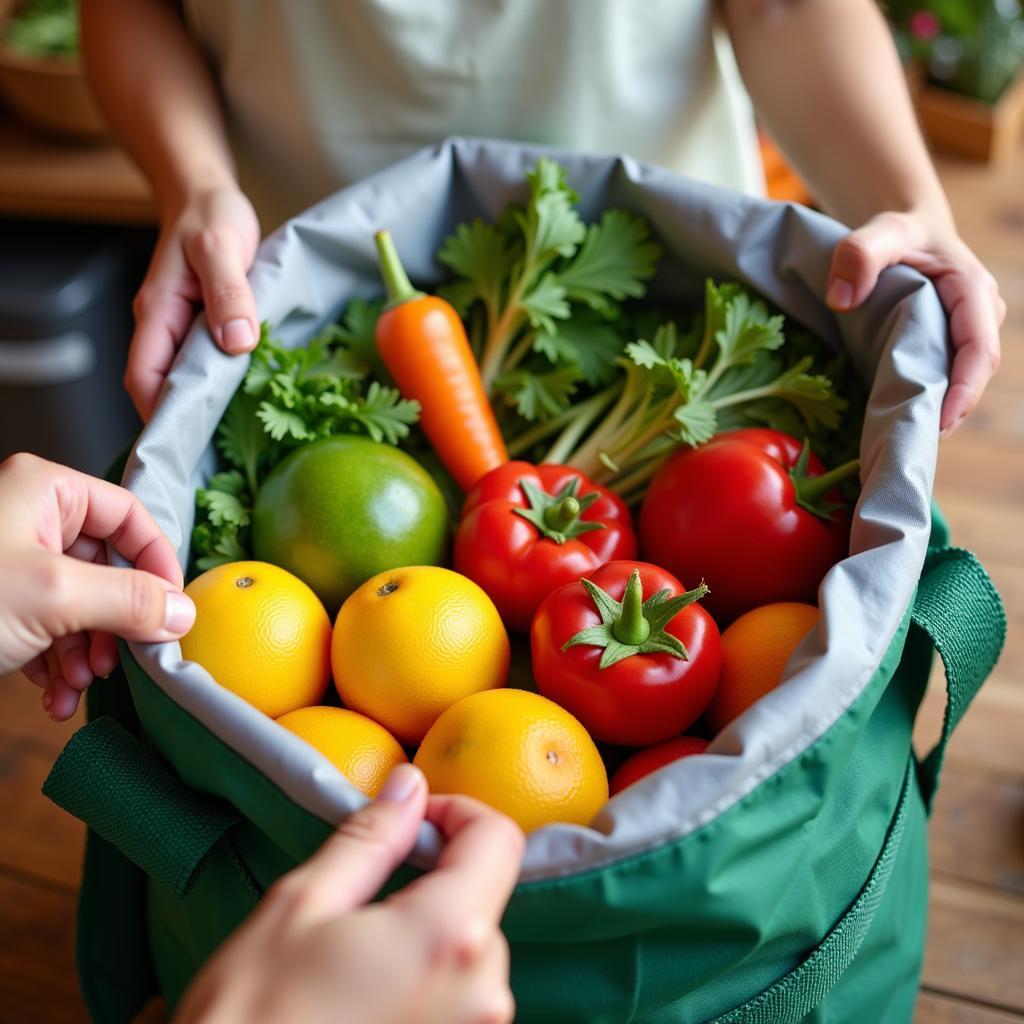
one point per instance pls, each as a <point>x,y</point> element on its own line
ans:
<point>966,59</point>
<point>41,76</point>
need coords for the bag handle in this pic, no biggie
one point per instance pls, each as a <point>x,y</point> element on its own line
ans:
<point>959,610</point>
<point>124,793</point>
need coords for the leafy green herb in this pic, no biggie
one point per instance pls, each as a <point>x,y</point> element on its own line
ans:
<point>290,397</point>
<point>550,288</point>
<point>735,376</point>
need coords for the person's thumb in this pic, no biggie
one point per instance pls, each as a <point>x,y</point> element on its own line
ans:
<point>355,862</point>
<point>863,254</point>
<point>136,605</point>
<point>220,262</point>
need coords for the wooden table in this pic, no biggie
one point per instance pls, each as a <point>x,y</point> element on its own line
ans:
<point>973,972</point>
<point>41,177</point>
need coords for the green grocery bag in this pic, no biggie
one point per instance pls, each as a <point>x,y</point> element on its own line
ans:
<point>780,877</point>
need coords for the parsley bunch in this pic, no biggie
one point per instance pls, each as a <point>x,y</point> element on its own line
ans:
<point>729,370</point>
<point>290,397</point>
<point>542,293</point>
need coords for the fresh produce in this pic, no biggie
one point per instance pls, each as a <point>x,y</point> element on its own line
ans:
<point>651,759</point>
<point>634,671</point>
<point>518,752</point>
<point>423,343</point>
<point>527,530</point>
<point>340,510</point>
<point>363,751</point>
<point>411,642</point>
<point>685,388</point>
<point>543,291</point>
<point>755,649</point>
<point>752,514</point>
<point>288,398</point>
<point>261,633</point>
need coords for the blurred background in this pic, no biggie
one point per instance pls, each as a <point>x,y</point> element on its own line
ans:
<point>76,229</point>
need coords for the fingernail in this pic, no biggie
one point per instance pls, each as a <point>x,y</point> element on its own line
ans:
<point>839,294</point>
<point>47,699</point>
<point>238,336</point>
<point>401,784</point>
<point>179,612</point>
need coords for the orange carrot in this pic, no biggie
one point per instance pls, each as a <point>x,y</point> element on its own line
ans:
<point>424,346</point>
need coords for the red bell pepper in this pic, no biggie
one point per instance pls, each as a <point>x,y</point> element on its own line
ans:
<point>528,529</point>
<point>634,671</point>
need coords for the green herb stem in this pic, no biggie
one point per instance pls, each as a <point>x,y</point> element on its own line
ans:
<point>579,418</point>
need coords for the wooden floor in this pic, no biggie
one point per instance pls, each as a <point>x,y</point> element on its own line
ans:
<point>974,971</point>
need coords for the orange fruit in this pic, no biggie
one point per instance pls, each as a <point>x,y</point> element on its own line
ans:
<point>755,649</point>
<point>363,751</point>
<point>411,642</point>
<point>261,633</point>
<point>519,752</point>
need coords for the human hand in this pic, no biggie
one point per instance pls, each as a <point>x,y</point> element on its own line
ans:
<point>60,602</point>
<point>316,951</point>
<point>968,292</point>
<point>206,247</point>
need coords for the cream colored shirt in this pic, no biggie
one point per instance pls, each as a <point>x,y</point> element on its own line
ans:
<point>321,93</point>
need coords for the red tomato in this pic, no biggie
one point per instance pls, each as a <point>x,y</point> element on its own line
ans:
<point>730,513</point>
<point>653,758</point>
<point>657,677</point>
<point>527,529</point>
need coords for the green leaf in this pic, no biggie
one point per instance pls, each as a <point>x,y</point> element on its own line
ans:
<point>696,421</point>
<point>644,354</point>
<point>616,258</point>
<point>550,225</point>
<point>586,340</point>
<point>539,396</point>
<point>223,509</point>
<point>282,423</point>
<point>481,255</point>
<point>242,440</point>
<point>811,394</point>
<point>545,301</point>
<point>385,415</point>
<point>745,327</point>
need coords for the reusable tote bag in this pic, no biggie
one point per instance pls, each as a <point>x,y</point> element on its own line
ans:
<point>781,877</point>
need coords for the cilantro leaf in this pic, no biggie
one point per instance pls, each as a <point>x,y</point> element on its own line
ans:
<point>615,259</point>
<point>586,340</point>
<point>545,301</point>
<point>538,396</point>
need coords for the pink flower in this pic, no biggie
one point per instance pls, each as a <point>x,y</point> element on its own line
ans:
<point>924,25</point>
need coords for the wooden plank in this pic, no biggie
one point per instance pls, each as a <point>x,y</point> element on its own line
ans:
<point>37,970</point>
<point>986,467</point>
<point>975,941</point>
<point>987,741</point>
<point>977,831</point>
<point>988,527</point>
<point>38,839</point>
<point>22,715</point>
<point>42,177</point>
<point>934,1008</point>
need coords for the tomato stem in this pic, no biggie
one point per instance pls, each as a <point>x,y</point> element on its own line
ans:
<point>396,281</point>
<point>631,627</point>
<point>561,516</point>
<point>811,489</point>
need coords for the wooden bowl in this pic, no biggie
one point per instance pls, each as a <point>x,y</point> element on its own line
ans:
<point>50,93</point>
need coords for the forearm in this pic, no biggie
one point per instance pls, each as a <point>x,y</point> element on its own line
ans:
<point>826,82</point>
<point>158,96</point>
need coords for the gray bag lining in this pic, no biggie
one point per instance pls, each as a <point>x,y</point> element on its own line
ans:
<point>306,272</point>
